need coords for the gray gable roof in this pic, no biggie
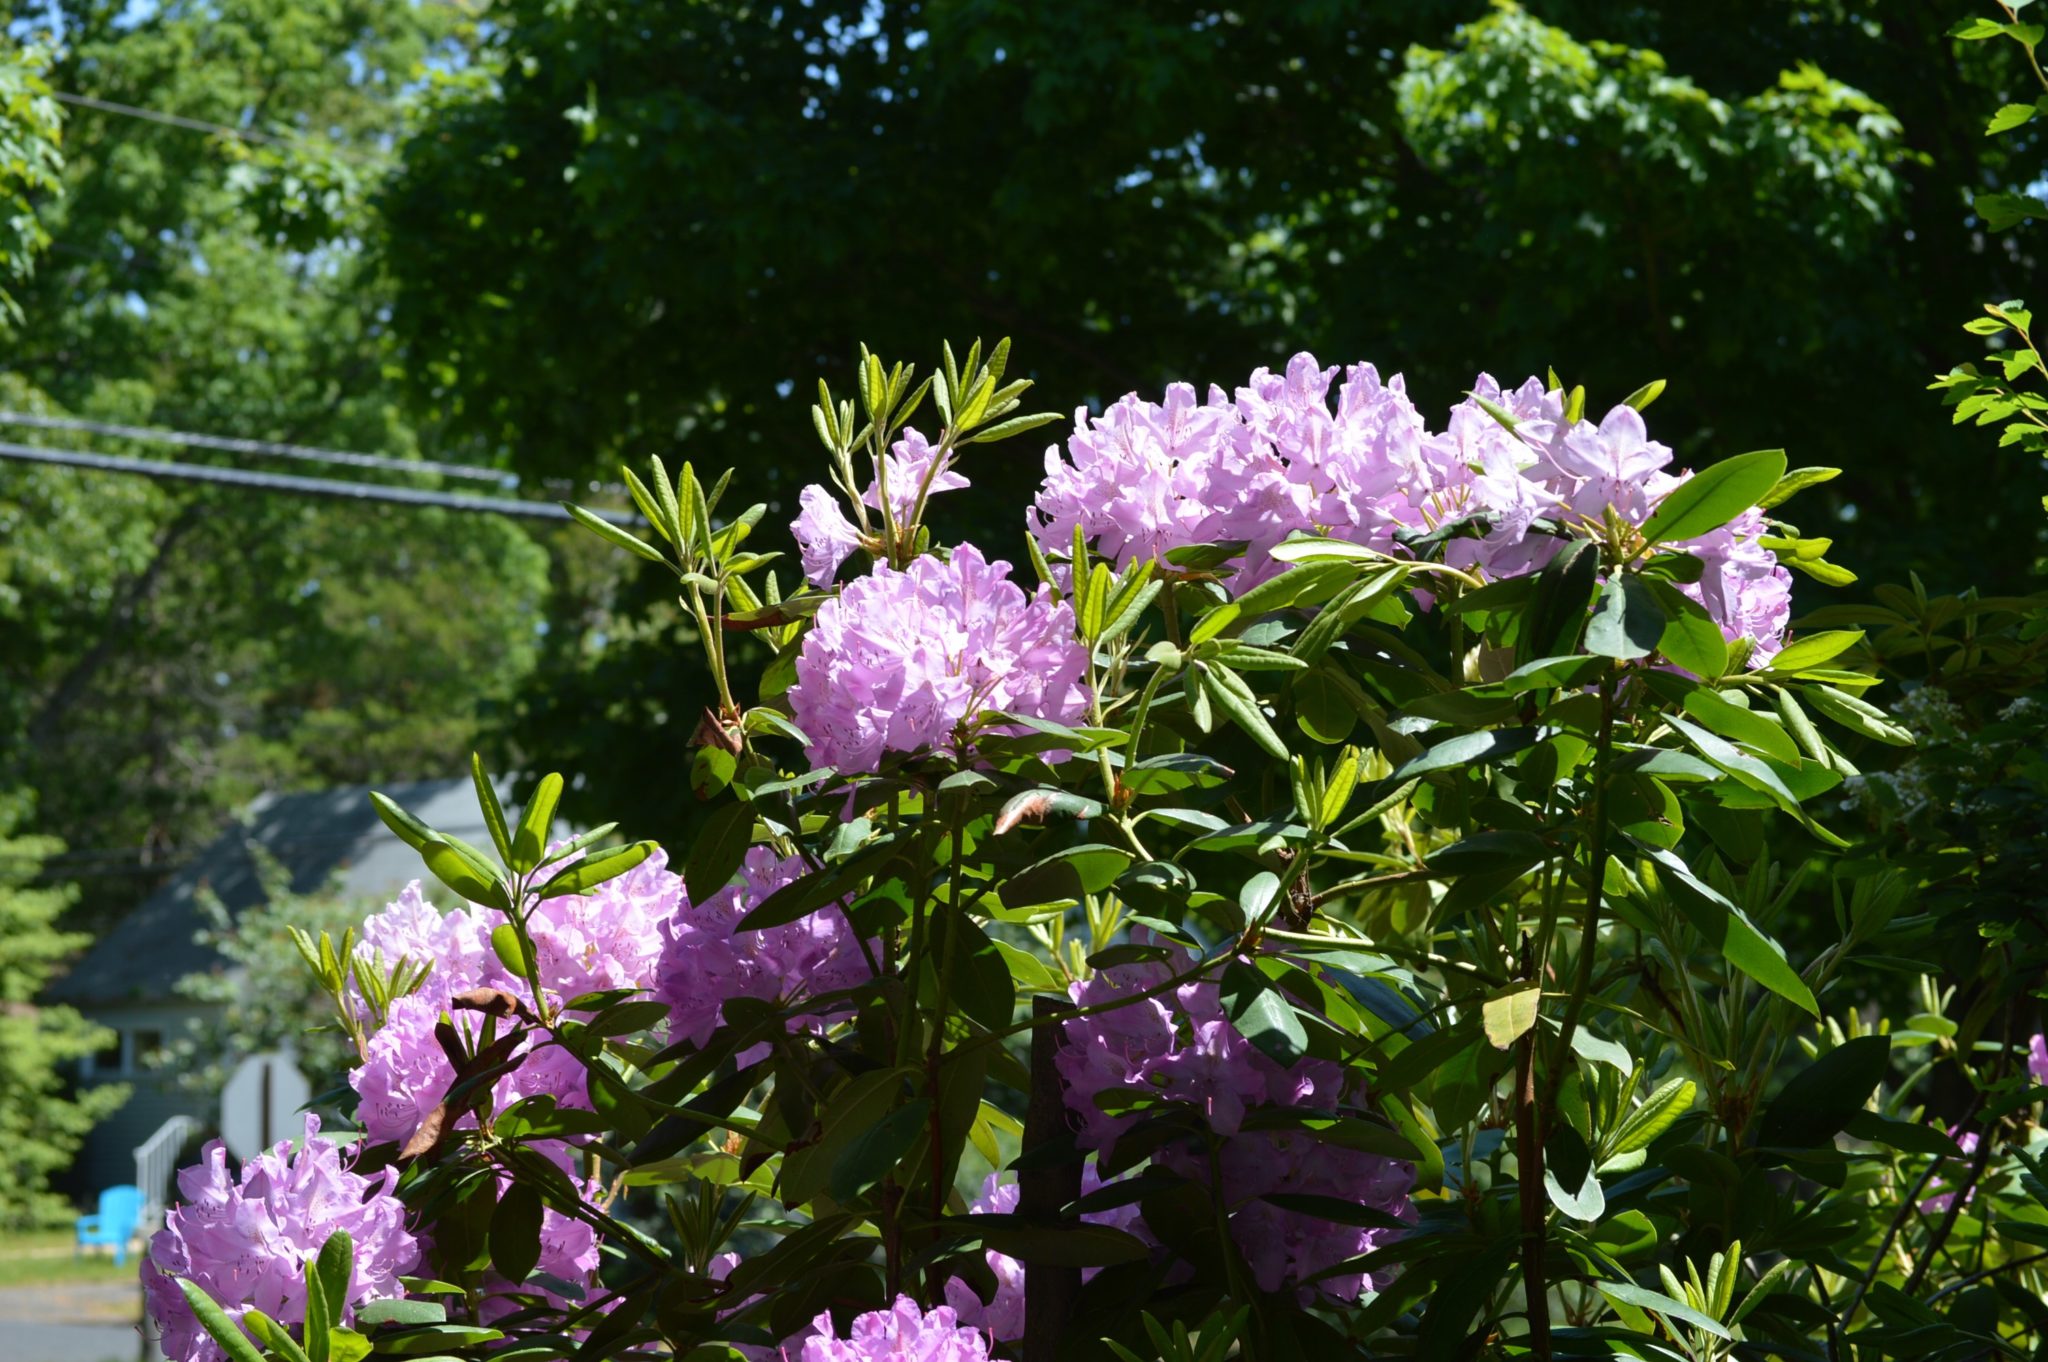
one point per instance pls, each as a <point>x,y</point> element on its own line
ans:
<point>316,837</point>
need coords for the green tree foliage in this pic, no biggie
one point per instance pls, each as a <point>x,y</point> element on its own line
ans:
<point>713,199</point>
<point>42,1122</point>
<point>30,127</point>
<point>172,651</point>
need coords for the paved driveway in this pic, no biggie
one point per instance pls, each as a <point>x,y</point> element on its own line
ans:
<point>70,1323</point>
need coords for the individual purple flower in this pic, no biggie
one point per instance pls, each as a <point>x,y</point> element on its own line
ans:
<point>908,661</point>
<point>1945,1195</point>
<point>246,1242</point>
<point>825,538</point>
<point>2037,1058</point>
<point>902,1333</point>
<point>906,465</point>
<point>1178,1045</point>
<point>705,961</point>
<point>1285,1247</point>
<point>405,1072</point>
<point>609,938</point>
<point>1135,480</point>
<point>1002,1316</point>
<point>456,944</point>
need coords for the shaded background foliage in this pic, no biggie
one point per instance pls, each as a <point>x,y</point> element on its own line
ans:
<point>563,233</point>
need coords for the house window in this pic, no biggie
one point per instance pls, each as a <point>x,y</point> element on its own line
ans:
<point>107,1062</point>
<point>147,1047</point>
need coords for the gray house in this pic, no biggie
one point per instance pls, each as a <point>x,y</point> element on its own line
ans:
<point>126,980</point>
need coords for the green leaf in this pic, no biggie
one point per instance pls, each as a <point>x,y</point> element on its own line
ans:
<point>1262,1014</point>
<point>1644,1299</point>
<point>2004,210</point>
<point>1569,1178</point>
<point>711,770</point>
<point>515,1232</point>
<point>1235,698</point>
<point>856,1106</point>
<point>1564,592</point>
<point>874,1153</point>
<point>1825,1096</point>
<point>402,1311</point>
<point>599,866</point>
<point>1335,1209</point>
<point>1467,750</point>
<point>1627,621</point>
<point>530,843</point>
<point>613,535</point>
<point>981,985</point>
<point>1908,1136</point>
<point>1715,495</point>
<point>1066,874</point>
<point>1321,708</point>
<point>1796,481</point>
<point>493,811</point>
<point>1815,649</point>
<point>218,1326</point>
<point>1858,715</point>
<point>720,848</point>
<point>331,1270</point>
<point>2007,118</point>
<point>1510,1011</point>
<point>463,869</point>
<point>1642,397</point>
<point>1741,725</point>
<point>403,825</point>
<point>1728,930</point>
<point>1067,1245</point>
<point>276,1337</point>
<point>1690,639</point>
<point>1658,1113</point>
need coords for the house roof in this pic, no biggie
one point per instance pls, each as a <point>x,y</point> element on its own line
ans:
<point>319,838</point>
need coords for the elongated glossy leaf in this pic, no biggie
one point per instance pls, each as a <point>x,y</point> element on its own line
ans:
<point>530,843</point>
<point>1627,620</point>
<point>1658,1113</point>
<point>980,979</point>
<point>1468,749</point>
<point>493,811</point>
<point>1815,650</point>
<point>1728,930</point>
<point>1690,639</point>
<point>1645,1299</point>
<point>720,847</point>
<point>1569,1178</point>
<point>515,1232</point>
<point>1825,1096</point>
<point>875,1152</point>
<point>1859,716</point>
<point>1236,699</point>
<point>1909,1136</point>
<point>1715,495</point>
<point>218,1326</point>
<point>1745,726</point>
<point>598,867</point>
<point>1262,1014</point>
<point>1509,1012</point>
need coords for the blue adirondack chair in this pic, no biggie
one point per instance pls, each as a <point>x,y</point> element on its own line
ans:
<point>119,1216</point>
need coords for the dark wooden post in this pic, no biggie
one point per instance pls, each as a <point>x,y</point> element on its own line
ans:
<point>1050,1290</point>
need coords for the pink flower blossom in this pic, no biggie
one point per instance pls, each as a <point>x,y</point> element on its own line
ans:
<point>246,1242</point>
<point>1002,1316</point>
<point>2037,1058</point>
<point>1945,1196</point>
<point>825,538</point>
<point>902,1333</point>
<point>705,961</point>
<point>907,661</point>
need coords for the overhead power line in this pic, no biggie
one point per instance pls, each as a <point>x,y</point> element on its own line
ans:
<point>273,448</point>
<point>171,120</point>
<point>292,484</point>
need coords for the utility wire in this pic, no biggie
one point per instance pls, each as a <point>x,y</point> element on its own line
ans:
<point>172,120</point>
<point>274,448</point>
<point>295,485</point>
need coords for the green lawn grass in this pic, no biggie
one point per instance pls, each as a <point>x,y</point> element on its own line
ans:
<point>44,1257</point>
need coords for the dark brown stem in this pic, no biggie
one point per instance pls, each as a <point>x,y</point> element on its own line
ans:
<point>1529,1188</point>
<point>1043,1189</point>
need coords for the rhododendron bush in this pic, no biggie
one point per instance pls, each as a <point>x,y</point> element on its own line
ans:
<point>1314,892</point>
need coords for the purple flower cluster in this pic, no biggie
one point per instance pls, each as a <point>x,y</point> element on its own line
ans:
<point>2037,1058</point>
<point>902,1333</point>
<point>1180,1045</point>
<point>246,1243</point>
<point>705,960</point>
<point>825,538</point>
<point>609,939</point>
<point>1274,458</point>
<point>1002,1316</point>
<point>907,661</point>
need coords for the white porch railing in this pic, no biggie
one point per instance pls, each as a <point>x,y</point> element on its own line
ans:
<point>156,1158</point>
